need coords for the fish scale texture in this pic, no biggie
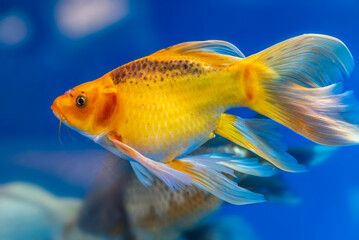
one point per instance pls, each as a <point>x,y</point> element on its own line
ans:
<point>176,114</point>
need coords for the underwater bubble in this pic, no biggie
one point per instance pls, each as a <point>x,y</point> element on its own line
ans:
<point>13,29</point>
<point>80,18</point>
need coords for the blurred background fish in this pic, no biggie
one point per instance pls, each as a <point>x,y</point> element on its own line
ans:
<point>119,206</point>
<point>30,212</point>
<point>156,212</point>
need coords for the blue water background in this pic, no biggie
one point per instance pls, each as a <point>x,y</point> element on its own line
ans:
<point>45,60</point>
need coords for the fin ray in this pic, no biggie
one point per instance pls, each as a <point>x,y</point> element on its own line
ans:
<point>310,60</point>
<point>259,136</point>
<point>173,178</point>
<point>142,174</point>
<point>208,171</point>
<point>319,114</point>
<point>296,84</point>
<point>214,52</point>
<point>210,46</point>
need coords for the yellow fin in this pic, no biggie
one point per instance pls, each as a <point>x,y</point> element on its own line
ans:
<point>259,136</point>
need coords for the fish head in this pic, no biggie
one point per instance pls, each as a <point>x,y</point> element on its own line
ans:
<point>87,108</point>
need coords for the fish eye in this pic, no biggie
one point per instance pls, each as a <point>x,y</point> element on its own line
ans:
<point>81,101</point>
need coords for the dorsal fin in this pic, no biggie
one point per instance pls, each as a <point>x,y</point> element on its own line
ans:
<point>210,46</point>
<point>215,52</point>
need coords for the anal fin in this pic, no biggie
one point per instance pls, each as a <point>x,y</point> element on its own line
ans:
<point>261,137</point>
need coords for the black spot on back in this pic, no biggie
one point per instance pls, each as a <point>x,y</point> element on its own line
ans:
<point>146,69</point>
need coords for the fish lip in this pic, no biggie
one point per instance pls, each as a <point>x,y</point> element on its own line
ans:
<point>56,115</point>
<point>56,111</point>
<point>61,118</point>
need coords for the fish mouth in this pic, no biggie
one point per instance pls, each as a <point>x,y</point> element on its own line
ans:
<point>57,115</point>
<point>60,117</point>
<point>55,109</point>
<point>63,119</point>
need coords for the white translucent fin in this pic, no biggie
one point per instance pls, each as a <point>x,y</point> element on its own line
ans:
<point>213,52</point>
<point>173,178</point>
<point>294,83</point>
<point>210,46</point>
<point>324,115</point>
<point>310,60</point>
<point>142,173</point>
<point>207,172</point>
<point>249,166</point>
<point>260,136</point>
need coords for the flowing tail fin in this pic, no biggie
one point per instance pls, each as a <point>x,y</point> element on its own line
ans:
<point>296,84</point>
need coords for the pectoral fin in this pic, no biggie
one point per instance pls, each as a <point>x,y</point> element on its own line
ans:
<point>259,136</point>
<point>173,178</point>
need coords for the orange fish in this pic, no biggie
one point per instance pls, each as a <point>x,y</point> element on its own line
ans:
<point>156,110</point>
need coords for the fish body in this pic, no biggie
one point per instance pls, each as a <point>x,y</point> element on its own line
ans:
<point>156,110</point>
<point>177,100</point>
